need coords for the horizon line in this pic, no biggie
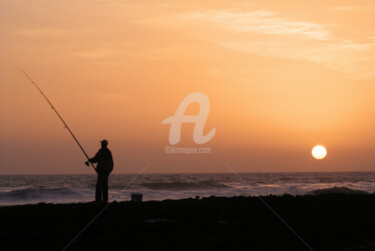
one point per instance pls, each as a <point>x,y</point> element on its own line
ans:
<point>197,173</point>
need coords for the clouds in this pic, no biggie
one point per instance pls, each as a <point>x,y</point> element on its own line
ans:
<point>304,35</point>
<point>269,33</point>
<point>261,21</point>
<point>353,8</point>
<point>343,57</point>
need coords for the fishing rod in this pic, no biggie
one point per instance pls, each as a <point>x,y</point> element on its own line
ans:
<point>65,125</point>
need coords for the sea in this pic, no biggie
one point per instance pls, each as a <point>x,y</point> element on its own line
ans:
<point>33,189</point>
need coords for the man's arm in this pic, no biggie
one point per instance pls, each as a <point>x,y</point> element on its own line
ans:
<point>96,158</point>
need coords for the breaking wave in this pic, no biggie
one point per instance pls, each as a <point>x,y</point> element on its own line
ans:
<point>183,185</point>
<point>336,190</point>
<point>38,193</point>
<point>30,189</point>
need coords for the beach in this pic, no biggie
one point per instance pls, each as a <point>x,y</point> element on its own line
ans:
<point>322,222</point>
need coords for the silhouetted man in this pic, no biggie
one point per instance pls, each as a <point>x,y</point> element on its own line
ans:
<point>105,166</point>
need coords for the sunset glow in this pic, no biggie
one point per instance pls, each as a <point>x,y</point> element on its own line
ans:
<point>278,76</point>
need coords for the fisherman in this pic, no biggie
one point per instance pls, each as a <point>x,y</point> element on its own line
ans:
<point>105,166</point>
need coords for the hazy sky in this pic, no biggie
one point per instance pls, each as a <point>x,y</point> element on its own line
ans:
<point>281,77</point>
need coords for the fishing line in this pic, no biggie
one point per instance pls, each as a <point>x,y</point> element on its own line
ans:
<point>65,125</point>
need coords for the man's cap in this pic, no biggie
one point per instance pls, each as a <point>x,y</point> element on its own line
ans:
<point>104,141</point>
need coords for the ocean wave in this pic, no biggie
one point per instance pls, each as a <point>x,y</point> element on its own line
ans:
<point>38,193</point>
<point>336,190</point>
<point>79,188</point>
<point>183,185</point>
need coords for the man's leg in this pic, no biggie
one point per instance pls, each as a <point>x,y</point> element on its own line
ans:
<point>105,187</point>
<point>98,192</point>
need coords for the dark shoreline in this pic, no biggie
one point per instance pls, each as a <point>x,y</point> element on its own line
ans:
<point>324,222</point>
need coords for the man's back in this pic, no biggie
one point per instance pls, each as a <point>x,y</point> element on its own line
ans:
<point>104,159</point>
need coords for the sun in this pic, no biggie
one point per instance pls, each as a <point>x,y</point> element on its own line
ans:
<point>319,152</point>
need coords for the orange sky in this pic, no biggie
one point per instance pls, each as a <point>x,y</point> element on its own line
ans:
<point>281,77</point>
